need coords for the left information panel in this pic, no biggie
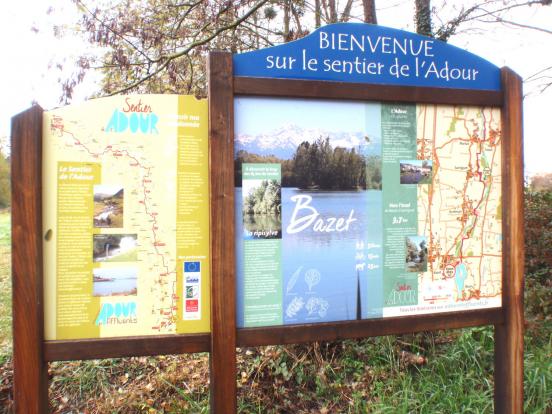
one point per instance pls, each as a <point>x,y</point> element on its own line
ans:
<point>126,217</point>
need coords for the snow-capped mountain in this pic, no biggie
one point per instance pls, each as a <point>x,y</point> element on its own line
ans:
<point>283,142</point>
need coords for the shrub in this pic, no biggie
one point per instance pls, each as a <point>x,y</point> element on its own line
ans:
<point>538,234</point>
<point>5,194</point>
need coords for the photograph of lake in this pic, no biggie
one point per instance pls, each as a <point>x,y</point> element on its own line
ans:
<point>115,281</point>
<point>329,159</point>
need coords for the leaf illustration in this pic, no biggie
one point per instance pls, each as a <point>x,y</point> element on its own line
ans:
<point>293,280</point>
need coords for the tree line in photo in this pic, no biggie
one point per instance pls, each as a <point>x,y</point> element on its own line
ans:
<point>319,166</point>
<point>264,199</point>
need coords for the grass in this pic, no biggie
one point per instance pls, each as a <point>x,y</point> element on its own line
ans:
<point>438,372</point>
<point>5,286</point>
<point>171,384</point>
<point>423,373</point>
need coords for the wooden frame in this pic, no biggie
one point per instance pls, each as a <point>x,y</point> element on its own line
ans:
<point>507,320</point>
<point>30,377</point>
<point>221,173</point>
<point>32,352</point>
<point>509,334</point>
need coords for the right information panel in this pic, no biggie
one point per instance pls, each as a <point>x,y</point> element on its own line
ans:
<point>352,210</point>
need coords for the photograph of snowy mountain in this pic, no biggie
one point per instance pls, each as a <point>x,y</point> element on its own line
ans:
<point>317,147</point>
<point>284,141</point>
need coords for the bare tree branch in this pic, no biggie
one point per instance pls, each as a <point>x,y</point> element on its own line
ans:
<point>297,19</point>
<point>168,59</point>
<point>536,76</point>
<point>136,48</point>
<point>523,26</point>
<point>346,15</point>
<point>186,14</point>
<point>507,8</point>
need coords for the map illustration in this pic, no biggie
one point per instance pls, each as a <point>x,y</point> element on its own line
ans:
<point>460,213</point>
<point>114,170</point>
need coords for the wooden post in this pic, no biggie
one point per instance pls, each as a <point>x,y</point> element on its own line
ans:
<point>30,369</point>
<point>223,278</point>
<point>508,397</point>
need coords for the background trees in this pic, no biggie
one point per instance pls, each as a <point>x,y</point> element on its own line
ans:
<point>318,165</point>
<point>158,46</point>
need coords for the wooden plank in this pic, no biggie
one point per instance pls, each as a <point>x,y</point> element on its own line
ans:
<point>223,278</point>
<point>30,369</point>
<point>509,335</point>
<point>126,346</point>
<point>334,331</point>
<point>360,91</point>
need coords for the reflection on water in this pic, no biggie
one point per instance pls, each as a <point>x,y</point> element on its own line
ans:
<point>262,226</point>
<point>328,254</point>
<point>328,205</point>
<point>320,278</point>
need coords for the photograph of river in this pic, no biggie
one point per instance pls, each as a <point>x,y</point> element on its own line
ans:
<point>115,248</point>
<point>416,171</point>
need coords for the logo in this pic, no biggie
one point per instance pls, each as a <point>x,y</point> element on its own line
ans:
<point>133,117</point>
<point>192,266</point>
<point>192,305</point>
<point>192,292</point>
<point>117,313</point>
<point>402,287</point>
<point>402,294</point>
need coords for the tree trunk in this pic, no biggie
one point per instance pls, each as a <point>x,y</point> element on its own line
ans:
<point>423,17</point>
<point>317,14</point>
<point>346,15</point>
<point>287,18</point>
<point>333,11</point>
<point>370,11</point>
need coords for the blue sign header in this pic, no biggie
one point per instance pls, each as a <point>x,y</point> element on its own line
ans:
<point>364,53</point>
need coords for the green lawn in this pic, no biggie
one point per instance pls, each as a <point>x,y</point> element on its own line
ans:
<point>440,372</point>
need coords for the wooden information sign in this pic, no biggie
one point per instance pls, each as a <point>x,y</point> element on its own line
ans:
<point>375,175</point>
<point>363,181</point>
<point>115,208</point>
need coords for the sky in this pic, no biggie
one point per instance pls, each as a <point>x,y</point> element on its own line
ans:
<point>272,114</point>
<point>27,74</point>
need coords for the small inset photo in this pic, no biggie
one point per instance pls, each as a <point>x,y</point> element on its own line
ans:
<point>116,281</point>
<point>262,206</point>
<point>416,171</point>
<point>115,248</point>
<point>416,254</point>
<point>108,206</point>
